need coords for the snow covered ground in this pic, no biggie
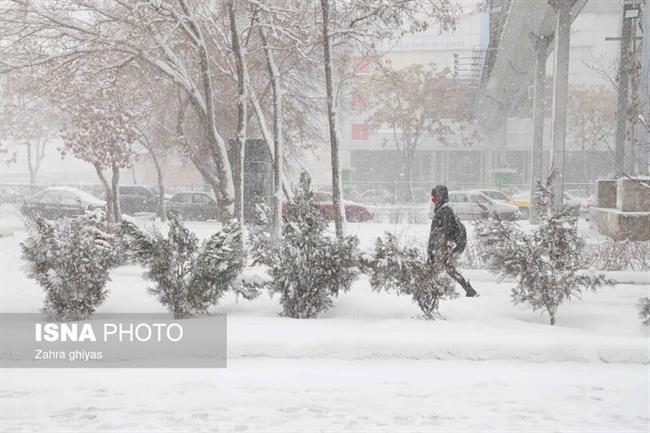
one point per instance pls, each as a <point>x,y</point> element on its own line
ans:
<point>370,364</point>
<point>297,395</point>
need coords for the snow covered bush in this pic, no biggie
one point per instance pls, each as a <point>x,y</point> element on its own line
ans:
<point>644,310</point>
<point>548,263</point>
<point>621,255</point>
<point>71,259</point>
<point>472,257</point>
<point>189,276</point>
<point>406,270</point>
<point>307,266</point>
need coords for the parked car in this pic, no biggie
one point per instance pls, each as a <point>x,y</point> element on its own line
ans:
<point>354,212</point>
<point>495,194</point>
<point>9,195</point>
<point>582,205</point>
<point>475,204</point>
<point>585,199</point>
<point>61,201</point>
<point>579,206</point>
<point>193,206</point>
<point>138,198</point>
<point>376,196</point>
<point>522,205</point>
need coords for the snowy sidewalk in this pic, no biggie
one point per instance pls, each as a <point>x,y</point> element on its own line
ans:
<point>283,395</point>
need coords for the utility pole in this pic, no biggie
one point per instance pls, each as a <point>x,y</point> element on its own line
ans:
<point>537,154</point>
<point>631,9</point>
<point>560,92</point>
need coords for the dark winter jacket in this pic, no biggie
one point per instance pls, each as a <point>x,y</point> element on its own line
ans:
<point>444,228</point>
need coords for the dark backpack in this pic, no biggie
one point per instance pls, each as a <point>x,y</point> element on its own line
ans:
<point>460,235</point>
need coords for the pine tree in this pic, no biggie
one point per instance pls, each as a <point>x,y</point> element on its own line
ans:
<point>189,277</point>
<point>307,266</point>
<point>549,263</point>
<point>71,259</point>
<point>406,270</point>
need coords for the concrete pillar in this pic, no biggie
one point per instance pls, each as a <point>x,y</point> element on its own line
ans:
<point>537,154</point>
<point>644,133</point>
<point>501,140</point>
<point>489,167</point>
<point>623,85</point>
<point>560,90</point>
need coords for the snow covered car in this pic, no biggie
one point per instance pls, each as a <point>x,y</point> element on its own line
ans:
<point>522,199</point>
<point>193,206</point>
<point>61,201</point>
<point>495,194</point>
<point>138,198</point>
<point>354,212</point>
<point>581,199</point>
<point>522,205</point>
<point>474,204</point>
<point>375,196</point>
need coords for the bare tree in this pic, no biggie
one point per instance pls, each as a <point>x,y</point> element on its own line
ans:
<point>417,102</point>
<point>242,92</point>
<point>637,155</point>
<point>28,121</point>
<point>362,25</point>
<point>278,136</point>
<point>167,37</point>
<point>591,120</point>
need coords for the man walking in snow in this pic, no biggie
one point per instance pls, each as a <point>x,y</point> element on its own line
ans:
<point>447,237</point>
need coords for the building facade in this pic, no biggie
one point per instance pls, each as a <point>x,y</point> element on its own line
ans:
<point>369,158</point>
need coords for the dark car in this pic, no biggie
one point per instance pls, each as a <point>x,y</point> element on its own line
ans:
<point>193,206</point>
<point>138,198</point>
<point>61,201</point>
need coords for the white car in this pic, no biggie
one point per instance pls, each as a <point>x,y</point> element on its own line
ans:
<point>579,206</point>
<point>474,204</point>
<point>495,194</point>
<point>61,201</point>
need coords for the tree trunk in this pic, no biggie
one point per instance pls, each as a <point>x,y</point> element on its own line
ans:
<point>409,163</point>
<point>278,138</point>
<point>34,158</point>
<point>115,186</point>
<point>110,216</point>
<point>32,176</point>
<point>32,172</point>
<point>225,192</point>
<point>240,142</point>
<point>339,214</point>
<point>286,189</point>
<point>162,208</point>
<point>201,165</point>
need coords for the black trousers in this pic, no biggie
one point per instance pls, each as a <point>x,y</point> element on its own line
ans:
<point>450,267</point>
